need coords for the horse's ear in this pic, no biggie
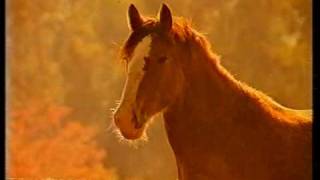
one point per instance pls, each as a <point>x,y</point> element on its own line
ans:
<point>165,18</point>
<point>135,20</point>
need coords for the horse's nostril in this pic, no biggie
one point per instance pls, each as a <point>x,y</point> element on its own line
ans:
<point>116,120</point>
<point>137,125</point>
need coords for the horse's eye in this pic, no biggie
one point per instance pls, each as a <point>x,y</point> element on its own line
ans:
<point>162,59</point>
<point>146,63</point>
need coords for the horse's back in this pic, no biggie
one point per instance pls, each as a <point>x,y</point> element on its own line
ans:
<point>307,114</point>
<point>301,116</point>
<point>304,115</point>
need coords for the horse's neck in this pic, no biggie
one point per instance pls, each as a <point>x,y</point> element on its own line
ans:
<point>208,89</point>
<point>209,104</point>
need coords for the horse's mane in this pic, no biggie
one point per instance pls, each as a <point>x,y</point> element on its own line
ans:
<point>181,32</point>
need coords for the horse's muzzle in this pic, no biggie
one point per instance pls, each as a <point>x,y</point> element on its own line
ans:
<point>129,125</point>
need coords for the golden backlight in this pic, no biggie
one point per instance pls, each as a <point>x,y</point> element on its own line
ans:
<point>65,77</point>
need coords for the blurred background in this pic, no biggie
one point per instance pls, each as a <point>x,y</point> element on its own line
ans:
<point>64,76</point>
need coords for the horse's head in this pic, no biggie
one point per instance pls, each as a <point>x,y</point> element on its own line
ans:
<point>153,74</point>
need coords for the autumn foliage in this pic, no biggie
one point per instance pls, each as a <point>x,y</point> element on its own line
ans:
<point>64,74</point>
<point>45,143</point>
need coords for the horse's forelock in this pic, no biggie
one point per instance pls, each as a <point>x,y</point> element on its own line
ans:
<point>135,38</point>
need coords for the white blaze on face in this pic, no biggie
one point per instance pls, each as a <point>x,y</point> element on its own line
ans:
<point>135,74</point>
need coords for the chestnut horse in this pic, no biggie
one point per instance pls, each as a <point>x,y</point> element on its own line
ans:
<point>217,126</point>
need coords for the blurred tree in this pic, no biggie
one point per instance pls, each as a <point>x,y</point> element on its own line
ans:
<point>34,73</point>
<point>43,144</point>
